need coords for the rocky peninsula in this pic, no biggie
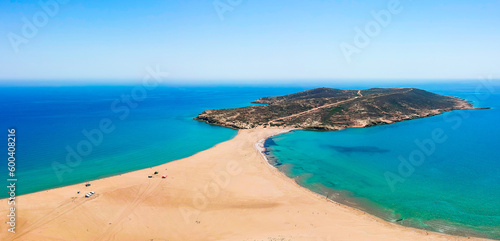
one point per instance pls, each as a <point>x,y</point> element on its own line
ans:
<point>336,109</point>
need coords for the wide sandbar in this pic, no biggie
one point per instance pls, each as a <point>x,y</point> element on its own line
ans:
<point>228,192</point>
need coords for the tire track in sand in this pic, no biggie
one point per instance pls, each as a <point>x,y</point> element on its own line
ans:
<point>62,209</point>
<point>110,232</point>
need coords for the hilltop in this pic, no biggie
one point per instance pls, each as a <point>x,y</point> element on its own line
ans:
<point>335,109</point>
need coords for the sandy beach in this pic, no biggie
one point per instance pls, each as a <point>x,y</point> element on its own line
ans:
<point>228,192</point>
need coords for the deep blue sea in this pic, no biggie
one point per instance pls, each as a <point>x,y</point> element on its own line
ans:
<point>52,149</point>
<point>449,182</point>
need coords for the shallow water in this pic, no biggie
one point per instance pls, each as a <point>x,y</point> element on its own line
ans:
<point>456,188</point>
<point>50,123</point>
<point>449,180</point>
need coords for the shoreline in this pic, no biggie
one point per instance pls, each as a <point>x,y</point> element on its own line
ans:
<point>261,149</point>
<point>254,201</point>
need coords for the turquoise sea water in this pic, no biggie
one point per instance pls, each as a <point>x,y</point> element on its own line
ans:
<point>50,122</point>
<point>453,185</point>
<point>455,189</point>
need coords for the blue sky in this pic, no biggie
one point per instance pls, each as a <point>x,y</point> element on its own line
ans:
<point>255,39</point>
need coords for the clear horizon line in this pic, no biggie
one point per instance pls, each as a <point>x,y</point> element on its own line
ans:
<point>240,80</point>
<point>249,83</point>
